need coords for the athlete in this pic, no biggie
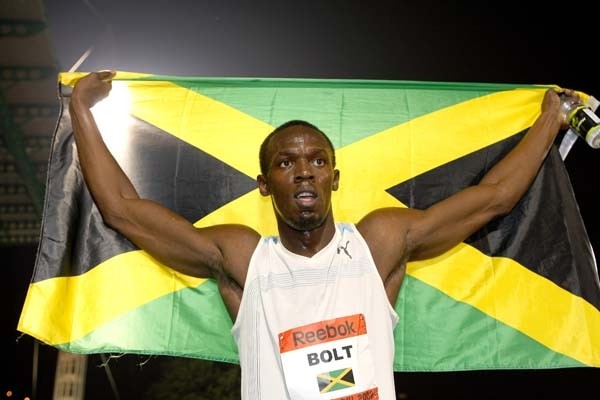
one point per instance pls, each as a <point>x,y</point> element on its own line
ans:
<point>313,306</point>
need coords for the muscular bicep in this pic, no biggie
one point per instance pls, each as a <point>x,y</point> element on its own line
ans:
<point>449,222</point>
<point>211,252</point>
<point>397,235</point>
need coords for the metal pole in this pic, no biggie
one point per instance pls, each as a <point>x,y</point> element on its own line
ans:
<point>34,373</point>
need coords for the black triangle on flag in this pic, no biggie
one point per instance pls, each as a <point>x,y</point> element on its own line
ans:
<point>161,166</point>
<point>180,176</point>
<point>544,232</point>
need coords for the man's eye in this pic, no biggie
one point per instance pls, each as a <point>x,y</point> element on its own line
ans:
<point>319,162</point>
<point>285,163</point>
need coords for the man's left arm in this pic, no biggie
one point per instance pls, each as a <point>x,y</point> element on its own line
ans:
<point>452,220</point>
<point>397,235</point>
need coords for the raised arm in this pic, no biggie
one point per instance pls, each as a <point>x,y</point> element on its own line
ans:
<point>397,235</point>
<point>220,252</point>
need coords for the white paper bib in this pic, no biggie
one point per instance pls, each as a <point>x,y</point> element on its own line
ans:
<point>322,360</point>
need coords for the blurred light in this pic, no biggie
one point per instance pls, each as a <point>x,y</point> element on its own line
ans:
<point>113,119</point>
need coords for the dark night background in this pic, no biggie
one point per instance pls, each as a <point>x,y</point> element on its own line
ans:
<point>400,40</point>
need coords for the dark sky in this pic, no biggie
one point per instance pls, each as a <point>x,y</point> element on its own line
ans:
<point>396,40</point>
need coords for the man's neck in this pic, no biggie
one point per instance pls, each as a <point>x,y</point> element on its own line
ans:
<point>307,243</point>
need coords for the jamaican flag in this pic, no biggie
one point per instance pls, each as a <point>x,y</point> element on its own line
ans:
<point>521,293</point>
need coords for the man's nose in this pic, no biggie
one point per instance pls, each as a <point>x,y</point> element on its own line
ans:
<point>303,170</point>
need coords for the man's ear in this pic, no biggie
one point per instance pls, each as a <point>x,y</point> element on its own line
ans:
<point>263,188</point>
<point>336,179</point>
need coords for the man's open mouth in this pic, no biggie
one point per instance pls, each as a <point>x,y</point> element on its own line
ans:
<point>306,197</point>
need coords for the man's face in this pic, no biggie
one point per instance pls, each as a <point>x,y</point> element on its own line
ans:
<point>300,177</point>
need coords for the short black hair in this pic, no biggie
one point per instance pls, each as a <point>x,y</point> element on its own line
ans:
<point>262,155</point>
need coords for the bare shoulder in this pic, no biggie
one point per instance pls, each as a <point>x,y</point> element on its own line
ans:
<point>236,243</point>
<point>386,232</point>
<point>234,239</point>
<point>384,224</point>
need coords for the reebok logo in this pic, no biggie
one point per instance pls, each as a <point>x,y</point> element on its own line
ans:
<point>322,332</point>
<point>319,335</point>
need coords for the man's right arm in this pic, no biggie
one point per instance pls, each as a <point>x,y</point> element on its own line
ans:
<point>170,238</point>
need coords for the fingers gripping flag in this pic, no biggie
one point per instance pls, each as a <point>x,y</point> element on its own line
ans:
<point>521,293</point>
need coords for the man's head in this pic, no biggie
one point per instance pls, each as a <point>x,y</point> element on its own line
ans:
<point>265,144</point>
<point>298,172</point>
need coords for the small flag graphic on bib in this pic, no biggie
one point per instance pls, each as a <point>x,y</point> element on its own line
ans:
<point>335,380</point>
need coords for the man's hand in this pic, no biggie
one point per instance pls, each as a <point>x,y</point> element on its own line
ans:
<point>92,88</point>
<point>553,103</point>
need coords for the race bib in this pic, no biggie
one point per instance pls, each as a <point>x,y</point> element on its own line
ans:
<point>329,360</point>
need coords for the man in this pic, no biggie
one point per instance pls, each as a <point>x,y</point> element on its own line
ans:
<point>312,307</point>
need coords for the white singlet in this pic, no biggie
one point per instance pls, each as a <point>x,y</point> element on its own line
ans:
<point>317,327</point>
